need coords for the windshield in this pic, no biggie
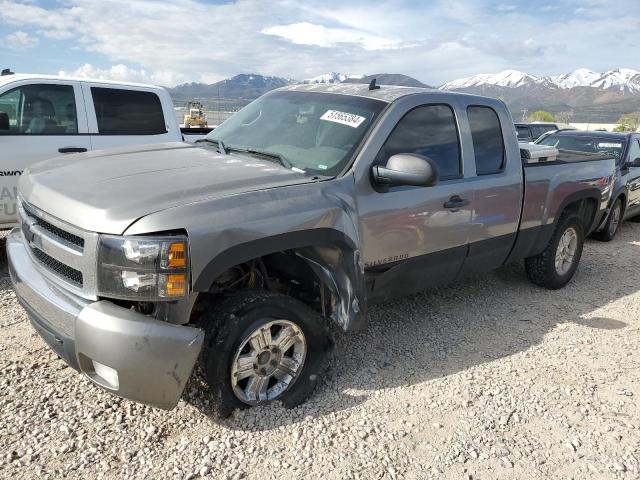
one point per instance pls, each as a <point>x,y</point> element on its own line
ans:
<point>612,147</point>
<point>317,133</point>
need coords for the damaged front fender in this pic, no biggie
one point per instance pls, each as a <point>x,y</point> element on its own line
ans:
<point>342,272</point>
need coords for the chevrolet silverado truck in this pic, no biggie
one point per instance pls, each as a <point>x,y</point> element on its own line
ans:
<point>247,250</point>
<point>42,116</point>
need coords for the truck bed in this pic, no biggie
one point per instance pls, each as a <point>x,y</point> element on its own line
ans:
<point>548,186</point>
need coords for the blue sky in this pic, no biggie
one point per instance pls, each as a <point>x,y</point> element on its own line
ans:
<point>435,41</point>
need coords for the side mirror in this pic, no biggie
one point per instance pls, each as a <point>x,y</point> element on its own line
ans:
<point>407,169</point>
<point>4,121</point>
<point>634,163</point>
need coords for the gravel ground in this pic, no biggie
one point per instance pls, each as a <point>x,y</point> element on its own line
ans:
<point>491,379</point>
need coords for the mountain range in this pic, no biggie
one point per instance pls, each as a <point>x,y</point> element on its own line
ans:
<point>589,96</point>
<point>623,80</point>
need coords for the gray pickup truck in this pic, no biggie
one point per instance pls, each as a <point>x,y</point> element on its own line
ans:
<point>246,249</point>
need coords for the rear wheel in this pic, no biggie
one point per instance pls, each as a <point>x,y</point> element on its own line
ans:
<point>262,347</point>
<point>556,265</point>
<point>612,224</point>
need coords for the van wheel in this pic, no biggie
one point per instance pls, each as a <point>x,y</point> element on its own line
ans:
<point>261,347</point>
<point>556,265</point>
<point>612,224</point>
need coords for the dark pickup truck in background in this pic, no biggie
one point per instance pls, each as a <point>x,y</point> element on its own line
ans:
<point>530,132</point>
<point>290,218</point>
<point>625,148</point>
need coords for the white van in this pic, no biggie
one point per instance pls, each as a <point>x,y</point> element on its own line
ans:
<point>45,116</point>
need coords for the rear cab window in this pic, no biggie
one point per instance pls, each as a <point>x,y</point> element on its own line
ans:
<point>488,143</point>
<point>39,109</point>
<point>430,131</point>
<point>523,133</point>
<point>128,112</point>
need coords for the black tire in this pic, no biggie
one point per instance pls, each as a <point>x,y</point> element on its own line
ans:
<point>229,323</point>
<point>611,227</point>
<point>541,269</point>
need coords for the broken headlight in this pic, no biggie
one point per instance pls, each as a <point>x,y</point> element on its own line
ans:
<point>143,268</point>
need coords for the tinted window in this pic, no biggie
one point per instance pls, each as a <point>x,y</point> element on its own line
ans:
<point>430,131</point>
<point>541,129</point>
<point>39,110</point>
<point>128,112</point>
<point>634,150</point>
<point>487,139</point>
<point>523,133</point>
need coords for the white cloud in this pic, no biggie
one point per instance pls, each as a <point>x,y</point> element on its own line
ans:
<point>20,40</point>
<point>190,40</point>
<point>305,33</point>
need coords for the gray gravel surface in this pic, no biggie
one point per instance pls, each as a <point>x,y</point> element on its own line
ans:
<point>490,379</point>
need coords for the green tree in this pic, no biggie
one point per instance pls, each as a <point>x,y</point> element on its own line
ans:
<point>629,122</point>
<point>542,116</point>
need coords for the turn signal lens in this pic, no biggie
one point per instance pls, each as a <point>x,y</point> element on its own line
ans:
<point>177,255</point>
<point>176,285</point>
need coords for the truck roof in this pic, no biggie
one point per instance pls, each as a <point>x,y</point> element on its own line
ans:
<point>30,76</point>
<point>386,93</point>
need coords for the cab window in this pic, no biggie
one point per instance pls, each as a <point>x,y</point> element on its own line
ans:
<point>430,131</point>
<point>488,145</point>
<point>128,112</point>
<point>38,110</point>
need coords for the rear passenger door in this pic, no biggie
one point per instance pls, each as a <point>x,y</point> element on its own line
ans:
<point>41,119</point>
<point>497,189</point>
<point>124,116</point>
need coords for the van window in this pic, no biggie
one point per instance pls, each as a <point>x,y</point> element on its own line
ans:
<point>128,112</point>
<point>488,145</point>
<point>44,109</point>
<point>430,131</point>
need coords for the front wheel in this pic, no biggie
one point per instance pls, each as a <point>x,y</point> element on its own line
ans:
<point>612,224</point>
<point>556,265</point>
<point>261,347</point>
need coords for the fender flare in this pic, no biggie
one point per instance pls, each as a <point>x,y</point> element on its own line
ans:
<point>244,252</point>
<point>587,194</point>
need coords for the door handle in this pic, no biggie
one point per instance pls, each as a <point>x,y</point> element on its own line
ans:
<point>455,202</point>
<point>72,150</point>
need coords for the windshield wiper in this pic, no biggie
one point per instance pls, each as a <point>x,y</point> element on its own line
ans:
<point>275,156</point>
<point>221,148</point>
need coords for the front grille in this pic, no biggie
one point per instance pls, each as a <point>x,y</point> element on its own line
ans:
<point>70,274</point>
<point>57,232</point>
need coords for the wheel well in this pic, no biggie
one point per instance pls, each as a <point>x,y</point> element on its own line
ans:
<point>586,209</point>
<point>288,272</point>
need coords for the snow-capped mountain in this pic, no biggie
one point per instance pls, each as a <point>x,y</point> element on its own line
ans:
<point>332,77</point>
<point>506,78</point>
<point>624,80</point>
<point>582,77</point>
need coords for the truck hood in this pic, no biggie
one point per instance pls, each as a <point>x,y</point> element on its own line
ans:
<point>106,191</point>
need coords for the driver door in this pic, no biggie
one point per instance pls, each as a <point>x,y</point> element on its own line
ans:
<point>416,237</point>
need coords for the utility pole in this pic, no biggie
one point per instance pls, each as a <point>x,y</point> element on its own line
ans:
<point>524,114</point>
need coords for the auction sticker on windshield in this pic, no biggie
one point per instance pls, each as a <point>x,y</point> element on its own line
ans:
<point>344,118</point>
<point>609,145</point>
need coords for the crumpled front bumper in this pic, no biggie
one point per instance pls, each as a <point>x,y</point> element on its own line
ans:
<point>122,351</point>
